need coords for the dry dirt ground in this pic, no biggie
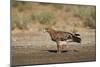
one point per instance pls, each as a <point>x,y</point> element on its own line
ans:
<point>37,48</point>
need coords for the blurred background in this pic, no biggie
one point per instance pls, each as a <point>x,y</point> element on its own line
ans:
<point>31,16</point>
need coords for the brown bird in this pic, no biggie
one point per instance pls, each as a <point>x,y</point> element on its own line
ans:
<point>60,37</point>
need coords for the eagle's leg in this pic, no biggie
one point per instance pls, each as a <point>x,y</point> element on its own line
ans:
<point>62,47</point>
<point>58,47</point>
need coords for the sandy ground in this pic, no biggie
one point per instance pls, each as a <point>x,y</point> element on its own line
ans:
<point>29,48</point>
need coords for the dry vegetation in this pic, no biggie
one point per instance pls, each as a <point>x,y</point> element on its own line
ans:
<point>28,15</point>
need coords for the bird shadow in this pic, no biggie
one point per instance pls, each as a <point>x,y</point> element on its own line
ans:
<point>55,51</point>
<point>63,51</point>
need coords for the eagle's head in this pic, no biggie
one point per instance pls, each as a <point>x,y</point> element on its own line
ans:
<point>48,29</point>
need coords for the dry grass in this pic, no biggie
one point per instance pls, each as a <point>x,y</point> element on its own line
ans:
<point>26,15</point>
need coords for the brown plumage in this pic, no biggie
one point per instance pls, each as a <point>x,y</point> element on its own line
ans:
<point>60,37</point>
